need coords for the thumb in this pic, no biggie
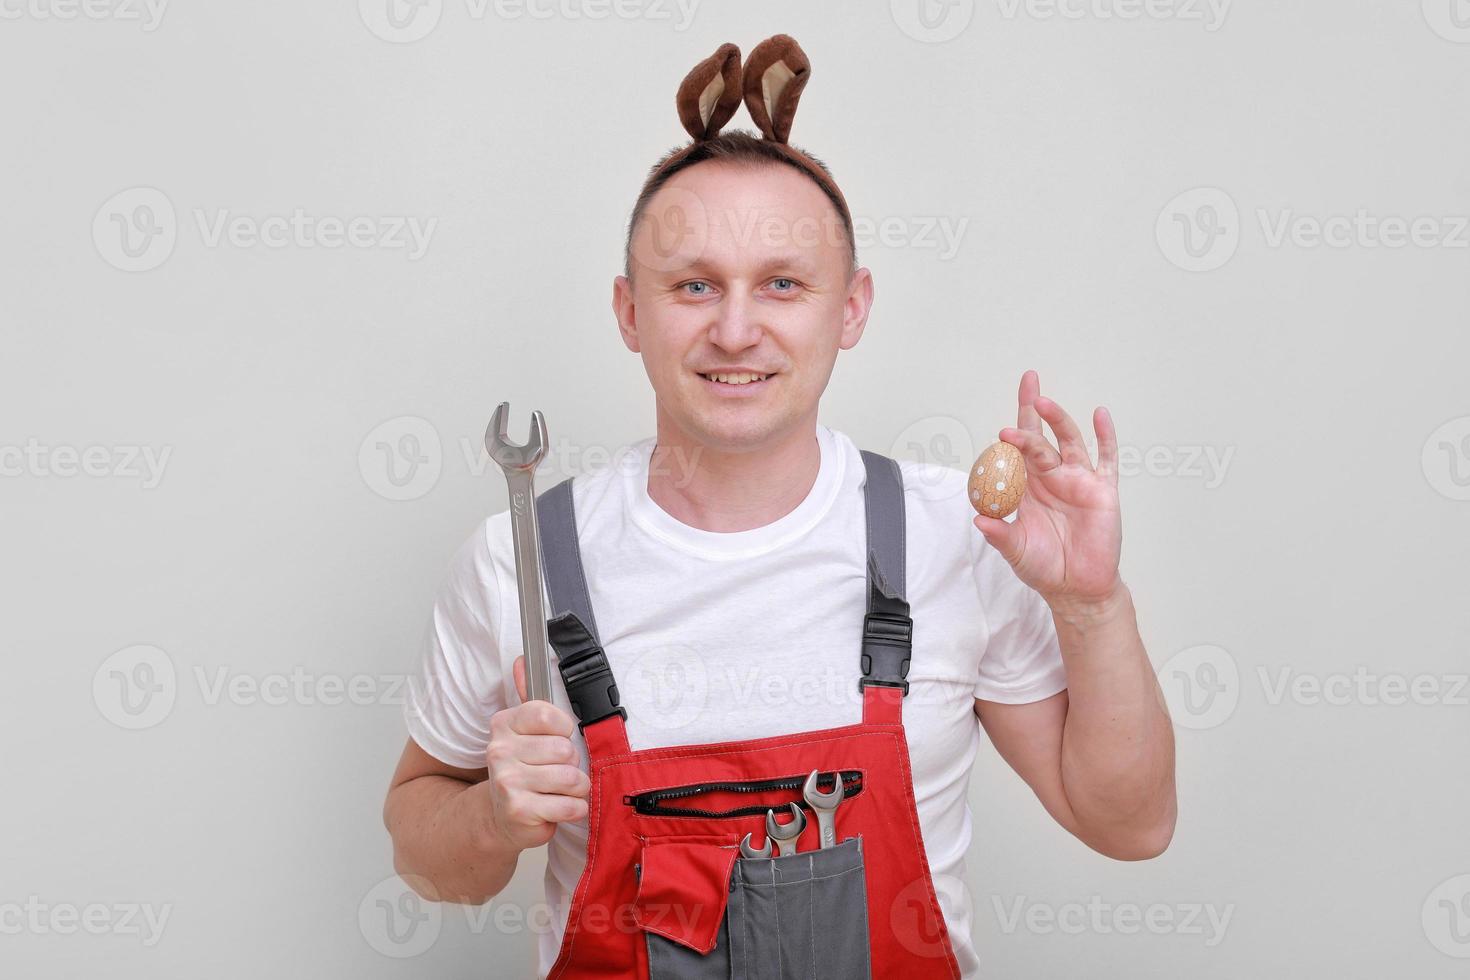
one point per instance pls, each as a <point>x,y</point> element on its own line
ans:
<point>1006,537</point>
<point>519,670</point>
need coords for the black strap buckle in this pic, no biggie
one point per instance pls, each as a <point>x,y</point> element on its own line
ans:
<point>888,639</point>
<point>584,671</point>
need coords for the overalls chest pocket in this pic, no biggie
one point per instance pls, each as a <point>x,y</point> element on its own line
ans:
<point>801,916</point>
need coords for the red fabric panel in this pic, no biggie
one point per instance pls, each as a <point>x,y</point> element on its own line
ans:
<point>683,889</point>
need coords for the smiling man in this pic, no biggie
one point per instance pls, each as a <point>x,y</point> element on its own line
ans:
<point>725,559</point>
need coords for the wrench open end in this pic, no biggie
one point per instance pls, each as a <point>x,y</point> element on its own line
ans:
<point>785,834</point>
<point>824,805</point>
<point>819,800</point>
<point>508,454</point>
<point>750,851</point>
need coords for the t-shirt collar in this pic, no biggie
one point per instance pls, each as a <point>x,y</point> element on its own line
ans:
<point>725,545</point>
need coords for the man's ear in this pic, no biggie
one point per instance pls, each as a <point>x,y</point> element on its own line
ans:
<point>855,310</point>
<point>623,309</point>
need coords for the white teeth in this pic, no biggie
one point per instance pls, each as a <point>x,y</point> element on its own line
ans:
<point>737,379</point>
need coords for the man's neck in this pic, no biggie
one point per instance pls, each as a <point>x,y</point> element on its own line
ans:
<point>716,490</point>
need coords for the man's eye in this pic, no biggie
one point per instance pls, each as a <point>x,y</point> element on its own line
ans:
<point>697,288</point>
<point>784,285</point>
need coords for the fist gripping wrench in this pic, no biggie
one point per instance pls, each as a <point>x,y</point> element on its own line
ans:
<point>519,464</point>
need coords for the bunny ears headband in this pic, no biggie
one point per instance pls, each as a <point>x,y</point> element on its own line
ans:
<point>770,84</point>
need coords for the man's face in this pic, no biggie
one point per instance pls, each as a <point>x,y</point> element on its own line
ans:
<point>740,269</point>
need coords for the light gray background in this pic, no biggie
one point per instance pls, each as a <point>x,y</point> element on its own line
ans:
<point>1327,543</point>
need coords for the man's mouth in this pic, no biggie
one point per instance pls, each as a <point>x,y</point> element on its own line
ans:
<point>736,379</point>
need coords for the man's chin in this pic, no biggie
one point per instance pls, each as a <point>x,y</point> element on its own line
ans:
<point>735,429</point>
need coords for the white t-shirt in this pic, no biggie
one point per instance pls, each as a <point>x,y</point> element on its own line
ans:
<point>714,636</point>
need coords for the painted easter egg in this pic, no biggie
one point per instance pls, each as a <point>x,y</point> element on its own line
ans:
<point>997,481</point>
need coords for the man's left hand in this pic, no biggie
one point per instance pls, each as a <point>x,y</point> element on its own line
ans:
<point>1068,532</point>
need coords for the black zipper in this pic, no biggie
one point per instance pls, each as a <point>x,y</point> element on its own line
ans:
<point>651,802</point>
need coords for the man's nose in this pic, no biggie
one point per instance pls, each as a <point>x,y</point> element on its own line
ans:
<point>737,325</point>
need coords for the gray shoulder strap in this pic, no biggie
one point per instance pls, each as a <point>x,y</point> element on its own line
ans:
<point>883,505</point>
<point>561,559</point>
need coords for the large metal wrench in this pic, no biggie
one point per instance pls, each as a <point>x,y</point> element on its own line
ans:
<point>519,464</point>
<point>785,834</point>
<point>824,805</point>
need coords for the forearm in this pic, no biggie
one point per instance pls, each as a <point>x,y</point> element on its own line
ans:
<point>1117,760</point>
<point>444,844</point>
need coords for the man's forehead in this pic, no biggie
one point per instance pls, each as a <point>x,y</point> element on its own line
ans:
<point>759,220</point>
<point>755,262</point>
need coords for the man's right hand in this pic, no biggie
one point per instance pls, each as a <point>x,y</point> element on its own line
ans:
<point>534,780</point>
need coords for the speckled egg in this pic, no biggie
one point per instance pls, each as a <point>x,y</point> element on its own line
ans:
<point>997,481</point>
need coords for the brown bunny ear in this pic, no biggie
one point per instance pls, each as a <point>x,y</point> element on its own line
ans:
<point>775,74</point>
<point>710,93</point>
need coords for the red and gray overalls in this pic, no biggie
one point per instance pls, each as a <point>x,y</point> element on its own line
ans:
<point>666,892</point>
